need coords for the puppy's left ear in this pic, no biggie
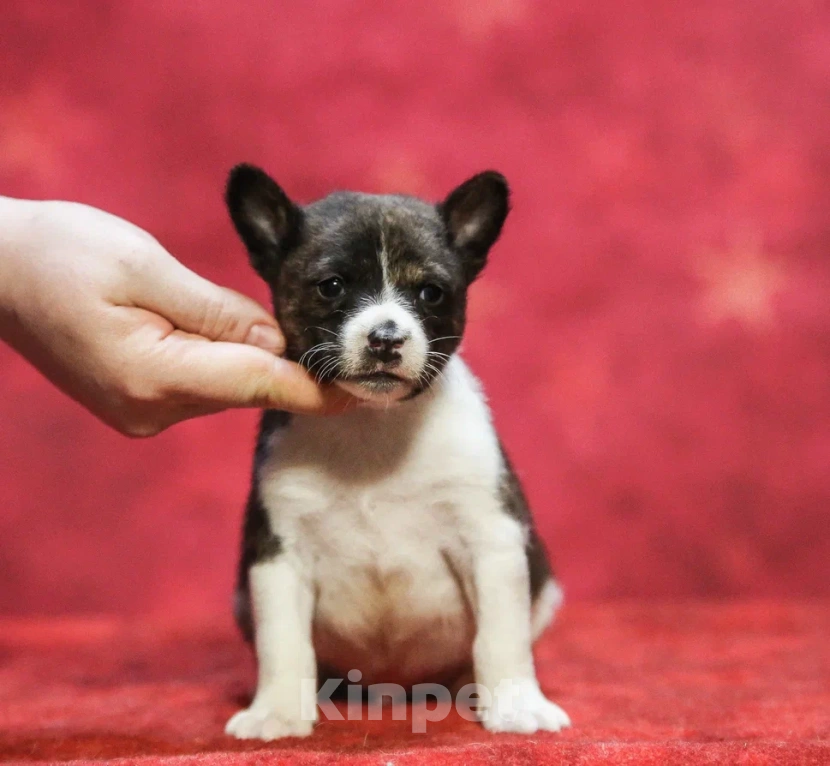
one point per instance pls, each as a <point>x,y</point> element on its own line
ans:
<point>473,214</point>
<point>269,223</point>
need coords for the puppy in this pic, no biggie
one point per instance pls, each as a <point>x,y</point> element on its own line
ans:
<point>393,539</point>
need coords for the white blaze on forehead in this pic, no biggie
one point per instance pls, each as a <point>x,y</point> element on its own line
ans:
<point>383,257</point>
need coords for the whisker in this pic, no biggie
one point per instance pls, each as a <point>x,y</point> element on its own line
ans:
<point>328,366</point>
<point>435,371</point>
<point>333,363</point>
<point>318,347</point>
<point>324,329</point>
<point>445,337</point>
<point>440,373</point>
<point>320,362</point>
<point>318,374</point>
<point>315,349</point>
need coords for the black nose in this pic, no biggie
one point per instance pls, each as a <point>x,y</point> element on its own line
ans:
<point>385,342</point>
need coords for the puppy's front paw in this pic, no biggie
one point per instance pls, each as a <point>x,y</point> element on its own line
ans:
<point>520,706</point>
<point>263,722</point>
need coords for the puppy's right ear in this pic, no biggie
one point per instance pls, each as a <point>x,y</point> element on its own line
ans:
<point>269,223</point>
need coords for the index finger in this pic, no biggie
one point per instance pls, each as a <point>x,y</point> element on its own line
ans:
<point>235,375</point>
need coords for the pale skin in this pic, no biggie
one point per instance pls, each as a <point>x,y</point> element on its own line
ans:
<point>121,326</point>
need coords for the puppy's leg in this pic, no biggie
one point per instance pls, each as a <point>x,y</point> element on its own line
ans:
<point>502,657</point>
<point>282,601</point>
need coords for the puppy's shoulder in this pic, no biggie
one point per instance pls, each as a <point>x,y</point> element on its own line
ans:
<point>272,425</point>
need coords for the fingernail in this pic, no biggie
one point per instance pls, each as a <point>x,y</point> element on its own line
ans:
<point>267,337</point>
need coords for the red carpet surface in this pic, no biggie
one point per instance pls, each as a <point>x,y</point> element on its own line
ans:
<point>742,683</point>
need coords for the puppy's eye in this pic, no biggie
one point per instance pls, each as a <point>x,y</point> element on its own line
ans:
<point>431,295</point>
<point>331,288</point>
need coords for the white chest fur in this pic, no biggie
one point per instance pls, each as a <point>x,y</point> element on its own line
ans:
<point>377,505</point>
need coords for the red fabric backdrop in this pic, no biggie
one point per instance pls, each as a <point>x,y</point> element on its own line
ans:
<point>654,329</point>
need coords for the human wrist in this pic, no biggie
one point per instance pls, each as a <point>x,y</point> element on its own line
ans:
<point>17,222</point>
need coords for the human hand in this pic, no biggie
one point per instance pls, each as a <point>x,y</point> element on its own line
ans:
<point>115,321</point>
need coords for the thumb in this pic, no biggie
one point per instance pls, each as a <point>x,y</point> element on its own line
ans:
<point>224,375</point>
<point>195,305</point>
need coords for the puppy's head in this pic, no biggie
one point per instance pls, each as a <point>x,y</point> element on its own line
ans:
<point>370,291</point>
